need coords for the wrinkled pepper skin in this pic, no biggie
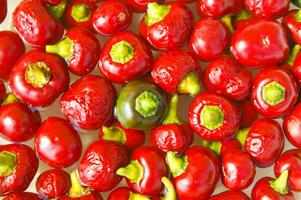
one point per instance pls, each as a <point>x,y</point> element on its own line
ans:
<point>234,195</point>
<point>35,25</point>
<point>292,23</point>
<point>292,126</point>
<point>268,9</point>
<point>23,165</point>
<point>248,114</point>
<point>53,183</point>
<point>11,49</point>
<point>98,166</point>
<point>218,8</point>
<point>92,196</point>
<point>225,76</point>
<point>274,92</point>
<point>38,78</point>
<point>168,33</point>
<point>3,10</point>
<point>118,70</point>
<point>89,102</point>
<point>22,196</point>
<point>141,5</point>
<point>257,52</point>
<point>63,147</point>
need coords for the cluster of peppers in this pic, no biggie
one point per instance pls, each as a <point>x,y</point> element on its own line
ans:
<point>233,36</point>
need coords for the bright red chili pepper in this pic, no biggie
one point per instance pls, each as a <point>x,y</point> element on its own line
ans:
<point>125,57</point>
<point>80,48</point>
<point>107,157</point>
<point>145,171</point>
<point>166,26</point>
<point>274,92</point>
<point>141,5</point>
<point>225,76</point>
<point>248,114</point>
<point>112,17</point>
<point>22,196</point>
<point>35,25</point>
<point>260,43</point>
<point>233,195</point>
<point>213,117</point>
<point>38,78</point>
<point>57,143</point>
<point>53,183</point>
<point>3,10</point>
<point>291,161</point>
<point>292,126</point>
<point>89,102</point>
<point>292,22</point>
<point>19,165</point>
<point>2,91</point>
<point>268,9</point>
<point>218,8</point>
<point>177,71</point>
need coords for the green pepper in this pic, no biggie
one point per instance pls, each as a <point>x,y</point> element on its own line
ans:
<point>297,3</point>
<point>140,105</point>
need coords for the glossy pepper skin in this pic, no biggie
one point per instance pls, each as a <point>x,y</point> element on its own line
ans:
<point>292,23</point>
<point>231,194</point>
<point>213,117</point>
<point>292,126</point>
<point>177,71</point>
<point>3,10</point>
<point>35,25</point>
<point>53,183</point>
<point>63,147</point>
<point>18,167</point>
<point>291,161</point>
<point>22,196</point>
<point>225,76</point>
<point>38,78</point>
<point>265,43</point>
<point>89,102</point>
<point>102,168</point>
<point>80,49</point>
<point>125,57</point>
<point>164,32</point>
<point>218,8</point>
<point>248,114</point>
<point>274,92</point>
<point>112,17</point>
<point>140,5</point>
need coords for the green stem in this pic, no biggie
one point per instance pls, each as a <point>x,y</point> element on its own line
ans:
<point>227,19</point>
<point>177,165</point>
<point>38,74</point>
<point>280,184</point>
<point>10,98</point>
<point>114,133</point>
<point>155,13</point>
<point>133,171</point>
<point>298,16</point>
<point>76,188</point>
<point>63,48</point>
<point>273,93</point>
<point>172,116</point>
<point>8,163</point>
<point>136,196</point>
<point>81,12</point>
<point>293,55</point>
<point>147,104</point>
<point>170,192</point>
<point>212,117</point>
<point>190,84</point>
<point>243,15</point>
<point>57,10</point>
<point>122,52</point>
<point>214,146</point>
<point>242,135</point>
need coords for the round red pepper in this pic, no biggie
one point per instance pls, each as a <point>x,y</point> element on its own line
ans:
<point>160,28</point>
<point>292,22</point>
<point>177,71</point>
<point>218,8</point>
<point>112,17</point>
<point>213,117</point>
<point>2,91</point>
<point>80,48</point>
<point>248,114</point>
<point>38,78</point>
<point>141,5</point>
<point>89,102</point>
<point>22,196</point>
<point>260,43</point>
<point>225,76</point>
<point>274,92</point>
<point>19,165</point>
<point>57,143</point>
<point>3,10</point>
<point>292,126</point>
<point>233,195</point>
<point>125,57</point>
<point>53,183</point>
<point>35,25</point>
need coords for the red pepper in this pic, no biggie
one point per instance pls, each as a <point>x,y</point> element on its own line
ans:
<point>130,138</point>
<point>2,91</point>
<point>292,23</point>
<point>160,28</point>
<point>213,117</point>
<point>233,195</point>
<point>79,13</point>
<point>19,165</point>
<point>292,126</point>
<point>112,17</point>
<point>11,49</point>
<point>125,57</point>
<point>274,92</point>
<point>38,78</point>
<point>100,163</point>
<point>141,5</point>
<point>209,46</point>
<point>268,188</point>
<point>35,25</point>
<point>57,143</point>
<point>80,48</point>
<point>145,171</point>
<point>53,183</point>
<point>3,10</point>
<point>225,76</point>
<point>218,8</point>
<point>291,161</point>
<point>296,64</point>
<point>260,43</point>
<point>248,114</point>
<point>195,174</point>
<point>22,196</point>
<point>177,71</point>
<point>89,102</point>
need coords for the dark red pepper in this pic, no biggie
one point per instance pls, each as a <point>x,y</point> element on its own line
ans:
<point>268,9</point>
<point>125,57</point>
<point>3,10</point>
<point>141,5</point>
<point>233,195</point>
<point>218,8</point>
<point>22,196</point>
<point>292,126</point>
<point>292,23</point>
<point>248,114</point>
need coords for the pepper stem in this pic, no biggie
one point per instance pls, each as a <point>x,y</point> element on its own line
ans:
<point>273,93</point>
<point>298,16</point>
<point>227,19</point>
<point>133,171</point>
<point>76,188</point>
<point>8,163</point>
<point>57,10</point>
<point>170,193</point>
<point>114,133</point>
<point>177,165</point>
<point>212,117</point>
<point>280,184</point>
<point>293,55</point>
<point>136,196</point>
<point>243,15</point>
<point>122,52</point>
<point>37,74</point>
<point>63,48</point>
<point>190,84</point>
<point>214,146</point>
<point>242,135</point>
<point>172,116</point>
<point>81,12</point>
<point>10,98</point>
<point>155,13</point>
<point>147,104</point>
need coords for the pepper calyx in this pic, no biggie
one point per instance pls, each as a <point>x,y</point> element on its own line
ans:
<point>280,184</point>
<point>242,135</point>
<point>293,55</point>
<point>172,116</point>
<point>227,19</point>
<point>136,196</point>
<point>133,171</point>
<point>10,98</point>
<point>273,93</point>
<point>156,13</point>
<point>76,188</point>
<point>122,52</point>
<point>212,117</point>
<point>147,104</point>
<point>213,146</point>
<point>81,12</point>
<point>38,74</point>
<point>8,162</point>
<point>177,164</point>
<point>114,133</point>
<point>63,48</point>
<point>170,192</point>
<point>57,10</point>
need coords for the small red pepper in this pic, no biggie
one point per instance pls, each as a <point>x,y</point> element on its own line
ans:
<point>233,195</point>
<point>218,8</point>
<point>274,92</point>
<point>57,143</point>
<point>248,114</point>
<point>3,10</point>
<point>80,48</point>
<point>141,5</point>
<point>292,23</point>
<point>292,126</point>
<point>22,196</point>
<point>53,183</point>
<point>125,57</point>
<point>160,28</point>
<point>18,166</point>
